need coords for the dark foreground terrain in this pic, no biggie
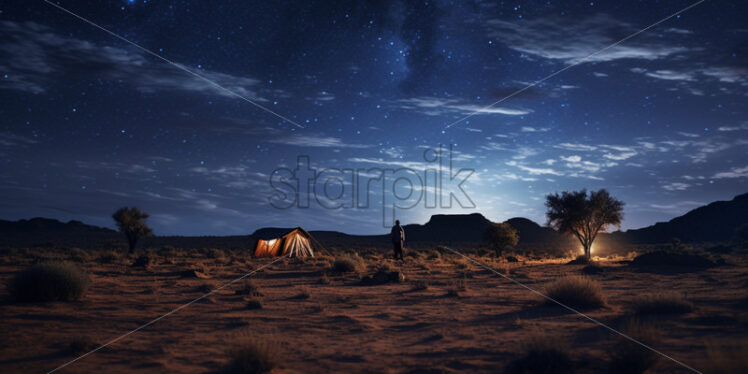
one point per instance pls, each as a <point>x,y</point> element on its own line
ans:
<point>446,316</point>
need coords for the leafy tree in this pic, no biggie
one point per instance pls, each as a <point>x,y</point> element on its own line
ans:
<point>501,235</point>
<point>583,215</point>
<point>130,222</point>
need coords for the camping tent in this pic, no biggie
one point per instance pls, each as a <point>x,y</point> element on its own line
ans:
<point>295,243</point>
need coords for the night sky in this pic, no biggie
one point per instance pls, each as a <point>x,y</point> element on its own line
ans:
<point>89,123</point>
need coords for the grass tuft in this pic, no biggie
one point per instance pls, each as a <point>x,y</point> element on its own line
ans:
<point>576,292</point>
<point>254,304</point>
<point>110,257</point>
<point>628,357</point>
<point>324,279</point>
<point>726,360</point>
<point>346,264</point>
<point>303,294</point>
<point>543,354</point>
<point>250,288</point>
<point>420,285</point>
<point>456,288</point>
<point>82,344</point>
<point>661,303</point>
<point>251,354</point>
<point>49,281</point>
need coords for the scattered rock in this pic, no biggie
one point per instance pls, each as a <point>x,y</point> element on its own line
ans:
<point>192,273</point>
<point>383,277</point>
<point>581,260</point>
<point>672,259</point>
<point>512,259</point>
<point>593,269</point>
<point>142,261</point>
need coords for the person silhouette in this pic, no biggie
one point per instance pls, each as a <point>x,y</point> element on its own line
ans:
<point>398,238</point>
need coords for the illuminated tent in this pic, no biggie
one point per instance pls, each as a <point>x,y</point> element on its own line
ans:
<point>296,243</point>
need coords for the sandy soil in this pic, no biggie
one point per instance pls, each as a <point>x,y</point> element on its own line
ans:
<point>345,327</point>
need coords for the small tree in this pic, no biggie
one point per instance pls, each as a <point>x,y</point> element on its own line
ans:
<point>501,235</point>
<point>583,215</point>
<point>130,222</point>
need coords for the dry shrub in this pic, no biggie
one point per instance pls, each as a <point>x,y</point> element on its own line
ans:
<point>78,255</point>
<point>384,275</point>
<point>543,354</point>
<point>249,288</point>
<point>254,304</point>
<point>82,344</point>
<point>593,268</point>
<point>576,292</point>
<point>49,281</point>
<point>661,303</point>
<point>628,357</point>
<point>303,294</point>
<point>324,279</point>
<point>253,354</point>
<point>726,360</point>
<point>433,255</point>
<point>420,285</point>
<point>580,260</point>
<point>456,287</point>
<point>110,257</point>
<point>205,287</point>
<point>346,264</point>
<point>168,251</point>
<point>215,253</point>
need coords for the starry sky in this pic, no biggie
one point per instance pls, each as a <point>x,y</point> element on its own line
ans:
<point>90,123</point>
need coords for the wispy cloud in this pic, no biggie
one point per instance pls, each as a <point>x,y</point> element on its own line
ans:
<point>534,170</point>
<point>618,152</point>
<point>534,129</point>
<point>36,56</point>
<point>434,106</point>
<point>569,40</point>
<point>733,173</point>
<point>9,140</point>
<point>676,30</point>
<point>693,78</point>
<point>671,75</point>
<point>728,74</point>
<point>574,158</point>
<point>733,128</point>
<point>575,147</point>
<point>316,141</point>
<point>676,186</point>
<point>677,208</point>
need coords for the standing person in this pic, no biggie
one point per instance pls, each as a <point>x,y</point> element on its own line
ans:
<point>398,238</point>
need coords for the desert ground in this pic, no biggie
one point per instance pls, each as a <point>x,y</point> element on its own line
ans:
<point>447,315</point>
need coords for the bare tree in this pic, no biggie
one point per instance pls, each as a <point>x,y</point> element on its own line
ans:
<point>130,222</point>
<point>501,235</point>
<point>583,215</point>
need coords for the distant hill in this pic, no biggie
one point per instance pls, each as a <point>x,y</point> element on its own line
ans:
<point>440,228</point>
<point>448,228</point>
<point>715,222</point>
<point>48,225</point>
<point>46,232</point>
